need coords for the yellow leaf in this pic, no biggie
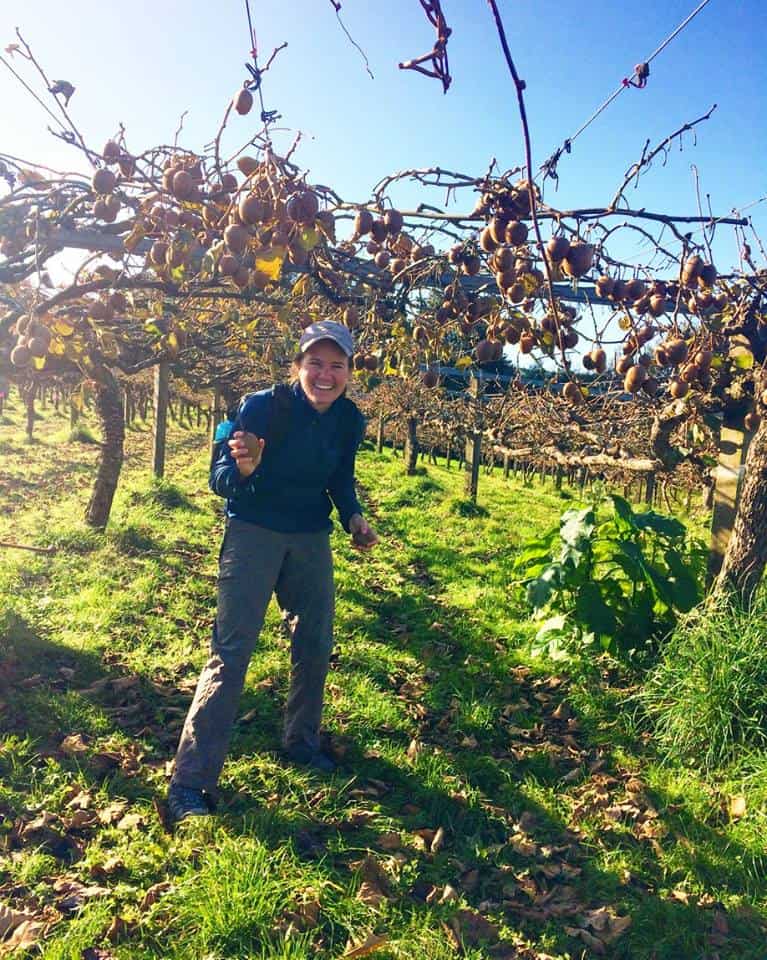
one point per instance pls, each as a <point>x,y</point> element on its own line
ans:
<point>308,238</point>
<point>269,262</point>
<point>302,286</point>
<point>742,358</point>
<point>57,347</point>
<point>39,363</point>
<point>63,327</point>
<point>463,363</point>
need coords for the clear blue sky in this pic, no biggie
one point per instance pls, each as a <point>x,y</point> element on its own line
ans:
<point>145,63</point>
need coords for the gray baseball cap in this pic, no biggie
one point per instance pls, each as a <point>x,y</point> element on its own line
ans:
<point>327,330</point>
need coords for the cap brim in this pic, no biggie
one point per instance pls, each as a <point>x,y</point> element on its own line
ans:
<point>326,336</point>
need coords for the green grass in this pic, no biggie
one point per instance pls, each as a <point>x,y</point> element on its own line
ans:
<point>551,797</point>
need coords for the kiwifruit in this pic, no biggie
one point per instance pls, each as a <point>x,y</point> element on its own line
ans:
<point>635,289</point>
<point>455,254</point>
<point>703,359</point>
<point>691,270</point>
<point>692,305</point>
<point>503,258</point>
<point>676,351</point>
<point>363,223</point>
<point>111,152</point>
<point>751,421</point>
<point>20,356</point>
<point>572,393</point>
<point>661,357</point>
<point>247,166</point>
<point>127,165</point>
<point>678,388</point>
<point>157,252</point>
<point>243,101</point>
<point>421,251</point>
<point>485,351</point>
<point>111,207</point>
<point>620,291</point>
<point>526,342</point>
<point>371,362</point>
<point>430,377</point>
<point>236,238</point>
<point>511,334</point>
<point>118,301</point>
<point>182,185</point>
<point>397,265</point>
<point>98,310</point>
<point>38,347</point>
<point>650,386</point>
<point>705,299</point>
<point>516,292</point>
<point>690,372</point>
<point>379,231</point>
<point>645,359</point>
<point>252,209</point>
<point>516,233</point>
<point>635,377</point>
<point>603,286</point>
<point>579,259</point>
<point>645,334</point>
<point>228,183</point>
<point>599,358</point>
<point>471,265</point>
<point>623,365</point>
<point>241,277</point>
<point>487,241</point>
<point>103,181</point>
<point>707,276</point>
<point>557,249</point>
<point>351,317</point>
<point>497,228</point>
<point>228,265</point>
<point>657,305</point>
<point>588,363</point>
<point>382,259</point>
<point>394,221</point>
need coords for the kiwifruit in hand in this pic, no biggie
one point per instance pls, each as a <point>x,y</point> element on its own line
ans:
<point>361,539</point>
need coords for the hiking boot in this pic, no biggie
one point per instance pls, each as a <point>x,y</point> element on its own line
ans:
<point>306,757</point>
<point>186,802</point>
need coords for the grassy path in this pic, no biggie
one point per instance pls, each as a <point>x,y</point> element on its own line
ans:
<point>485,807</point>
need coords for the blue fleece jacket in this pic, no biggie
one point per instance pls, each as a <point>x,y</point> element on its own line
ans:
<point>310,464</point>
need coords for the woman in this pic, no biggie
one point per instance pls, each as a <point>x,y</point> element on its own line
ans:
<point>279,479</point>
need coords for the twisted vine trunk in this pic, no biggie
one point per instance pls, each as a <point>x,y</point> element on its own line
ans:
<point>746,555</point>
<point>109,408</point>
<point>411,446</point>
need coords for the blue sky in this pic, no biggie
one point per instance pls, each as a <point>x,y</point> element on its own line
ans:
<point>144,64</point>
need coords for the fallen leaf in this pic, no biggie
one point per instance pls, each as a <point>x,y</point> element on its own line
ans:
<point>154,893</point>
<point>439,840</point>
<point>131,821</point>
<point>371,894</point>
<point>737,807</point>
<point>372,943</point>
<point>389,841</point>
<point>73,745</point>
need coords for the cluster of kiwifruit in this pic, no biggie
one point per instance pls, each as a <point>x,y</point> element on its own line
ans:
<point>573,258</point>
<point>509,200</point>
<point>33,338</point>
<point>656,297</point>
<point>267,216</point>
<point>691,368</point>
<point>391,248</point>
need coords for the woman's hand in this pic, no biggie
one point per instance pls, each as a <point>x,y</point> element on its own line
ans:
<point>246,449</point>
<point>364,536</point>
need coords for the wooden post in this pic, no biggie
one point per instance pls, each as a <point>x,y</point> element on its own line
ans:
<point>448,452</point>
<point>160,418</point>
<point>472,458</point>
<point>380,433</point>
<point>558,478</point>
<point>733,444</point>
<point>506,463</point>
<point>31,414</point>
<point>649,490</point>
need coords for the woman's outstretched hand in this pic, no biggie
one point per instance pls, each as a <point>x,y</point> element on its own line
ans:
<point>364,536</point>
<point>246,449</point>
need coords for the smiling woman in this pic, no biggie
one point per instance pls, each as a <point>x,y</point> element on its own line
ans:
<point>291,457</point>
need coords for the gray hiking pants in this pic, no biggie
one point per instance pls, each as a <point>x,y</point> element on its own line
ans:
<point>254,563</point>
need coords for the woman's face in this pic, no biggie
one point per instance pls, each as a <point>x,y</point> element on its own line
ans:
<point>323,374</point>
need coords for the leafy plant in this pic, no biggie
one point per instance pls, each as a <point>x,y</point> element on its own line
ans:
<point>615,580</point>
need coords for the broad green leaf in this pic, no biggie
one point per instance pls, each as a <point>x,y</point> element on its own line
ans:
<point>593,612</point>
<point>665,526</point>
<point>624,515</point>
<point>540,589</point>
<point>685,588</point>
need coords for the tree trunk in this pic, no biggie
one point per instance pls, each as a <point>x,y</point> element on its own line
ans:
<point>109,408</point>
<point>411,446</point>
<point>472,459</point>
<point>746,554</point>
